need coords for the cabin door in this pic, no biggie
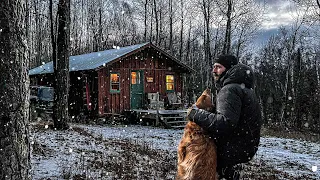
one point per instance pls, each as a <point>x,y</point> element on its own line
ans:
<point>137,89</point>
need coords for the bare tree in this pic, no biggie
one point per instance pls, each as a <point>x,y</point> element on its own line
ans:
<point>145,19</point>
<point>39,24</point>
<point>227,39</point>
<point>61,66</point>
<point>317,62</point>
<point>14,93</point>
<point>290,42</point>
<point>156,12</point>
<point>182,17</point>
<point>246,22</point>
<point>206,7</point>
<point>240,20</point>
<point>312,6</point>
<point>171,26</point>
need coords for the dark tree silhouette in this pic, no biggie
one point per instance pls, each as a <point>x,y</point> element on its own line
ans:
<point>14,93</point>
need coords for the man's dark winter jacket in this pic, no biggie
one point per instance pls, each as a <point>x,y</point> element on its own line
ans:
<point>237,121</point>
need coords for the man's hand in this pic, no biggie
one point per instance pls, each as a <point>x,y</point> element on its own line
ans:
<point>191,112</point>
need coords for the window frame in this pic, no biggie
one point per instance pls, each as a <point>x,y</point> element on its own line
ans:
<point>112,83</point>
<point>174,84</point>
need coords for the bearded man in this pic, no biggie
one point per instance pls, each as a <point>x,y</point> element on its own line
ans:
<point>236,123</point>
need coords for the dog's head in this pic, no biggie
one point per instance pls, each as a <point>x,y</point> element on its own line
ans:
<point>204,101</point>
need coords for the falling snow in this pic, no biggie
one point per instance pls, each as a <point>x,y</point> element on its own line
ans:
<point>242,86</point>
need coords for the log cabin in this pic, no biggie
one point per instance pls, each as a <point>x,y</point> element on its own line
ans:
<point>120,79</point>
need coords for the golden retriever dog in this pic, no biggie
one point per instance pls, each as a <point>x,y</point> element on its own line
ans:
<point>197,154</point>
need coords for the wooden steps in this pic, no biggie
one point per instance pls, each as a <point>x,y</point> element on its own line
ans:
<point>178,127</point>
<point>176,122</point>
<point>167,118</point>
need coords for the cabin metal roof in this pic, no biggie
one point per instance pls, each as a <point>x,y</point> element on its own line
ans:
<point>97,59</point>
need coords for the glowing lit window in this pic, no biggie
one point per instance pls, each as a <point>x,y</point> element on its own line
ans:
<point>135,77</point>
<point>114,82</point>
<point>170,82</point>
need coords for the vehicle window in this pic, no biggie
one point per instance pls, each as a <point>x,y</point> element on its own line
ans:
<point>46,94</point>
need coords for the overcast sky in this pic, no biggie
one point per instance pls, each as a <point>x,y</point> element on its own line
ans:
<point>277,13</point>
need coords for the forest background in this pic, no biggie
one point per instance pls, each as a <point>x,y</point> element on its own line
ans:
<point>286,62</point>
<point>279,39</point>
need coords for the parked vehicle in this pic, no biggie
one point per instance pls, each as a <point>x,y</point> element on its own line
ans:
<point>41,101</point>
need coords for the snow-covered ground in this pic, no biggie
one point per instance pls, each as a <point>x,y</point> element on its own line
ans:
<point>64,154</point>
<point>291,156</point>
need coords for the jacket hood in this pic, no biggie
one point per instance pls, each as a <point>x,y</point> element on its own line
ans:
<point>239,74</point>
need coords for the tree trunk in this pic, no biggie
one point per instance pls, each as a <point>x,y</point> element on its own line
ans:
<point>145,20</point>
<point>216,45</point>
<point>14,92</point>
<point>38,38</point>
<point>227,41</point>
<point>28,34</point>
<point>151,25</point>
<point>188,44</point>
<point>161,19</point>
<point>62,66</point>
<point>240,41</point>
<point>317,61</point>
<point>171,27</point>
<point>207,56</point>
<point>54,55</point>
<point>298,89</point>
<point>181,31</point>
<point>157,21</point>
<point>100,34</point>
<point>285,97</point>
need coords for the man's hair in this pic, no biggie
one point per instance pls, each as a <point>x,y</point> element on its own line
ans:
<point>226,60</point>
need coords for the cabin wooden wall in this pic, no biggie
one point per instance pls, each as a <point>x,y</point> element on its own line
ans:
<point>153,63</point>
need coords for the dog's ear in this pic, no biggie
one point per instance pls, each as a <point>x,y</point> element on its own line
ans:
<point>207,92</point>
<point>203,102</point>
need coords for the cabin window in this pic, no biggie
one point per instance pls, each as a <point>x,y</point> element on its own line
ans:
<point>135,78</point>
<point>114,82</point>
<point>170,82</point>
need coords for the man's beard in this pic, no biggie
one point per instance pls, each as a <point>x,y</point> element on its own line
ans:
<point>216,77</point>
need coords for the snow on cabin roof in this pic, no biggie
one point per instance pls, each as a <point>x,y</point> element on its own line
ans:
<point>89,61</point>
<point>97,59</point>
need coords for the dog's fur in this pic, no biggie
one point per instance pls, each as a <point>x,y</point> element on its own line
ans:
<point>197,155</point>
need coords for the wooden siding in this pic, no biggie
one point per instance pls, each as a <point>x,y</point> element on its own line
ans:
<point>151,62</point>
